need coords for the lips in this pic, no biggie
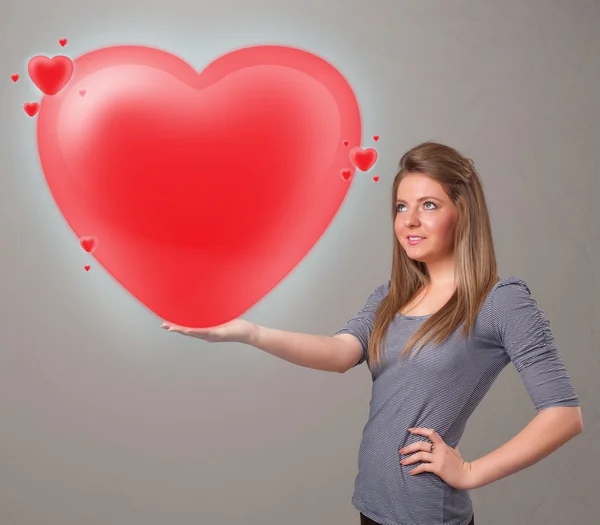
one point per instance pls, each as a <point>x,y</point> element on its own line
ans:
<point>415,242</point>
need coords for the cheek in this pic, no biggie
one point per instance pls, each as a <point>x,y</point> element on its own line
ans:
<point>439,225</point>
<point>399,230</point>
<point>445,229</point>
<point>397,226</point>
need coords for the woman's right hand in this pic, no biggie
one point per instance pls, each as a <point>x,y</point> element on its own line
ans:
<point>236,331</point>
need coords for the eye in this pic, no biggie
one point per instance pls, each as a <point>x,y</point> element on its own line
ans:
<point>426,202</point>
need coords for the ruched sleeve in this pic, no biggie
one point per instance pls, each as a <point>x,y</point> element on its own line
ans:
<point>525,333</point>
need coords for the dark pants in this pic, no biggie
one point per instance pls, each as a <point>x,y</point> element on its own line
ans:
<point>368,521</point>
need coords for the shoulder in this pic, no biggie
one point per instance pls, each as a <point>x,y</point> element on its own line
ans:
<point>509,290</point>
<point>513,308</point>
<point>379,293</point>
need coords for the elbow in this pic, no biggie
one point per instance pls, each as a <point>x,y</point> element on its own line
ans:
<point>569,417</point>
<point>578,421</point>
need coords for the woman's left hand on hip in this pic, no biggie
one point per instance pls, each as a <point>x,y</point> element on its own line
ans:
<point>444,460</point>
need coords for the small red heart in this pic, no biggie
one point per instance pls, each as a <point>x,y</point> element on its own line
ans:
<point>346,174</point>
<point>82,92</point>
<point>87,268</point>
<point>14,77</point>
<point>363,159</point>
<point>88,243</point>
<point>375,178</point>
<point>63,42</point>
<point>31,108</point>
<point>375,138</point>
<point>345,143</point>
<point>50,74</point>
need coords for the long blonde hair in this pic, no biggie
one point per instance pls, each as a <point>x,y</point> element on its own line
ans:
<point>475,271</point>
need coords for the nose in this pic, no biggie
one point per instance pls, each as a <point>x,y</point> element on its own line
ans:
<point>410,219</point>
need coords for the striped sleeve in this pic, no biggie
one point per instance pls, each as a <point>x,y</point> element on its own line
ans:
<point>525,333</point>
<point>361,325</point>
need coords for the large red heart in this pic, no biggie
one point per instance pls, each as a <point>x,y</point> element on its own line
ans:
<point>203,190</point>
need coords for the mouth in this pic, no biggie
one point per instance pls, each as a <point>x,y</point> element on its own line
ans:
<point>412,241</point>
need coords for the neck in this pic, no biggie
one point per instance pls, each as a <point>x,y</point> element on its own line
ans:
<point>441,274</point>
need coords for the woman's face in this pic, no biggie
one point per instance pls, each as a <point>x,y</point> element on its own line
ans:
<point>424,209</point>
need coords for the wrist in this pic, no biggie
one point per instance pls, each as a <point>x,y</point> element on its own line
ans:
<point>254,335</point>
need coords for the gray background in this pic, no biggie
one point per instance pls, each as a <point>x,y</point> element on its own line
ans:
<point>108,419</point>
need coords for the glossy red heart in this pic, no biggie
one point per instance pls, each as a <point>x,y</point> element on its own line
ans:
<point>88,243</point>
<point>203,190</point>
<point>15,77</point>
<point>346,174</point>
<point>63,42</point>
<point>31,108</point>
<point>363,159</point>
<point>50,75</point>
<point>87,267</point>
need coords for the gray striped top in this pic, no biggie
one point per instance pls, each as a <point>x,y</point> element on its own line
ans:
<point>440,388</point>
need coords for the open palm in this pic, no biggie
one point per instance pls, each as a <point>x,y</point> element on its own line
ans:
<point>238,330</point>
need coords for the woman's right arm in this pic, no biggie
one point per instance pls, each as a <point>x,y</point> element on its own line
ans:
<point>331,354</point>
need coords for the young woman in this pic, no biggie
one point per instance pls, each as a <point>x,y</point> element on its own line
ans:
<point>435,338</point>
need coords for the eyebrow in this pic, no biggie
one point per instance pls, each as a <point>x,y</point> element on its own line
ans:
<point>421,199</point>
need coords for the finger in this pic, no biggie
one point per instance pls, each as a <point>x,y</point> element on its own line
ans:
<point>423,467</point>
<point>411,459</point>
<point>434,437</point>
<point>431,434</point>
<point>419,456</point>
<point>419,445</point>
<point>407,461</point>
